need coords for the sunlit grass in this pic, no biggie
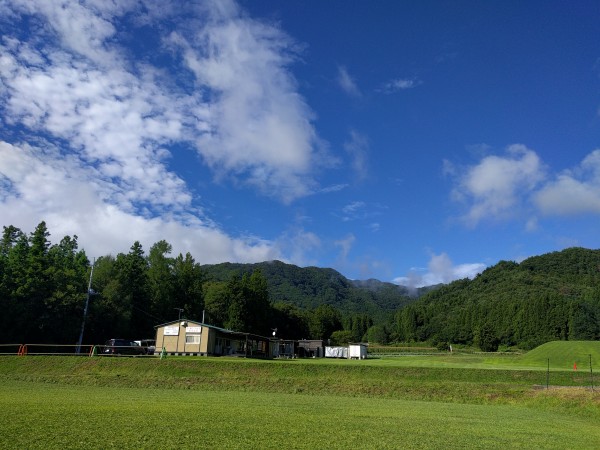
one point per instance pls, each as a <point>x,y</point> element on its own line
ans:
<point>436,401</point>
<point>565,355</point>
<point>61,416</point>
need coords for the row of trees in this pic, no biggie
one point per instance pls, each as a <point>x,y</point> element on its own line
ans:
<point>43,290</point>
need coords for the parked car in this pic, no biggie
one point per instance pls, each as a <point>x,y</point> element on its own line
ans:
<point>122,347</point>
<point>148,344</point>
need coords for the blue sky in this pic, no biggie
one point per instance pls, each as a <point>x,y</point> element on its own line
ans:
<point>415,142</point>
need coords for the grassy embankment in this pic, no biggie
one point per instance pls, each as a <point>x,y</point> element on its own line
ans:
<point>69,402</point>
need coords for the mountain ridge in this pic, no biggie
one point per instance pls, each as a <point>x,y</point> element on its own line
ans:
<point>308,287</point>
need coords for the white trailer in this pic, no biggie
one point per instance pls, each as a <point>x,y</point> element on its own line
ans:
<point>357,351</point>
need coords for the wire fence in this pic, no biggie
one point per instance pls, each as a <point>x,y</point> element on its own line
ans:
<point>45,349</point>
<point>391,351</point>
<point>580,375</point>
<point>72,350</point>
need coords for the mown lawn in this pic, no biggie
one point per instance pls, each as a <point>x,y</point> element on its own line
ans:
<point>80,402</point>
<point>49,416</point>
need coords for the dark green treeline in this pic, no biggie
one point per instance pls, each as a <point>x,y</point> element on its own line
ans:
<point>43,289</point>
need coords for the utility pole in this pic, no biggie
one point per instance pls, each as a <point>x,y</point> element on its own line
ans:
<point>87,301</point>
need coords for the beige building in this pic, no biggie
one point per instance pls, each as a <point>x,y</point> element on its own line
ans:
<point>187,337</point>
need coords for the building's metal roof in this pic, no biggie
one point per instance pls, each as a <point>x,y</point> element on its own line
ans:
<point>222,330</point>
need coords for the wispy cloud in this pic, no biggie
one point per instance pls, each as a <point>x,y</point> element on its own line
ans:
<point>345,244</point>
<point>334,188</point>
<point>357,148</point>
<point>353,210</point>
<point>299,246</point>
<point>97,125</point>
<point>346,82</point>
<point>399,84</point>
<point>362,211</point>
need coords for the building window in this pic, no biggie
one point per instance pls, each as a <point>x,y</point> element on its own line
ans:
<point>192,339</point>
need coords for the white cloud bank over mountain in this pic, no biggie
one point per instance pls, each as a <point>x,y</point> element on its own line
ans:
<point>440,270</point>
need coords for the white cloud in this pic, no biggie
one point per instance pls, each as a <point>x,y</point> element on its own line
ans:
<point>42,185</point>
<point>80,28</point>
<point>574,191</point>
<point>258,127</point>
<point>399,84</point>
<point>346,82</point>
<point>495,187</point>
<point>439,270</point>
<point>96,126</point>
<point>511,186</point>
<point>110,120</point>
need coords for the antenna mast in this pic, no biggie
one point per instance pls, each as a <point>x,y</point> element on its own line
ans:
<point>87,301</point>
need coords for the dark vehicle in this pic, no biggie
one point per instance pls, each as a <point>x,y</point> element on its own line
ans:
<point>147,344</point>
<point>122,347</point>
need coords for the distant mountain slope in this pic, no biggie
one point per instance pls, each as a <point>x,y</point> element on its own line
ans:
<point>309,287</point>
<point>548,297</point>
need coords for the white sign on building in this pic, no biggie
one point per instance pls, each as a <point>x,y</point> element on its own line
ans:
<point>190,330</point>
<point>172,331</point>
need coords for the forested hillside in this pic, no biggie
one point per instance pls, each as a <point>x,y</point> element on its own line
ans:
<point>555,296</point>
<point>309,287</point>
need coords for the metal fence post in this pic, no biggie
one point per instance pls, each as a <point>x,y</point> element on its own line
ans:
<point>591,373</point>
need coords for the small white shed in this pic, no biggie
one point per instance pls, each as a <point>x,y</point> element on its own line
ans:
<point>358,351</point>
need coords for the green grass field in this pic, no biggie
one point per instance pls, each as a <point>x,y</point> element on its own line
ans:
<point>480,401</point>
